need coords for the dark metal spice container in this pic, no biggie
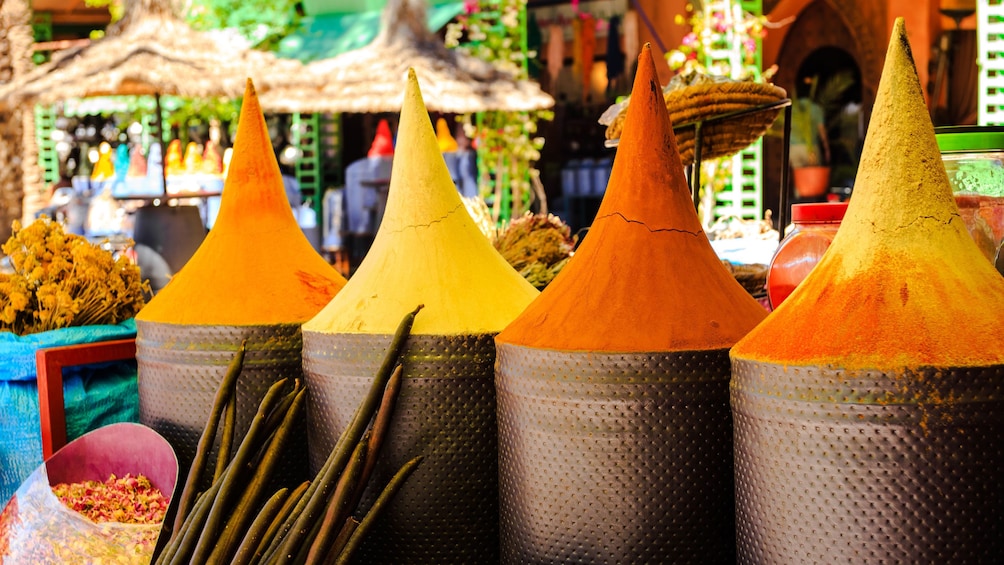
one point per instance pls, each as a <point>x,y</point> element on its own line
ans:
<point>869,420</point>
<point>615,437</point>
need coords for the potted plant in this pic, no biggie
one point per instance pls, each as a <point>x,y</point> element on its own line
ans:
<point>809,150</point>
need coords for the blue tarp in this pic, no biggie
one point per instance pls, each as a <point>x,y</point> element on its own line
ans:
<point>94,396</point>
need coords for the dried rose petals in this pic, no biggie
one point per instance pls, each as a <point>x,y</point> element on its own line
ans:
<point>127,500</point>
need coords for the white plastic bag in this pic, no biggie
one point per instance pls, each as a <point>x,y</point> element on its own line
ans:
<point>36,528</point>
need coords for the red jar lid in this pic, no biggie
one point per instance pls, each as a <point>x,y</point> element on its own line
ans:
<point>818,212</point>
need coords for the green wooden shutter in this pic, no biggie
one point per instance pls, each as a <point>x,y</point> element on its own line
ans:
<point>990,56</point>
<point>743,197</point>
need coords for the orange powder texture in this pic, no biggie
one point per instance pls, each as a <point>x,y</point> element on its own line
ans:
<point>255,267</point>
<point>903,284</point>
<point>645,278</point>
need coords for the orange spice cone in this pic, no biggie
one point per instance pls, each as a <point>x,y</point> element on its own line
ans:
<point>254,279</point>
<point>427,251</point>
<point>613,385</point>
<point>902,258</point>
<point>646,277</point>
<point>867,406</point>
<point>255,266</point>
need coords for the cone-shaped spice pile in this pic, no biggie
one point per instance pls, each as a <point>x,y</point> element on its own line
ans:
<point>255,266</point>
<point>427,251</point>
<point>646,277</point>
<point>902,283</point>
<point>867,422</point>
<point>614,430</point>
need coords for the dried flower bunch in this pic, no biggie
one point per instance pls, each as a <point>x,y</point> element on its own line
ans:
<point>126,500</point>
<point>61,280</point>
<point>537,246</point>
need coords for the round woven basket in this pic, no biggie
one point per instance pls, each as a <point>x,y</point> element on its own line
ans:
<point>719,138</point>
<point>835,466</point>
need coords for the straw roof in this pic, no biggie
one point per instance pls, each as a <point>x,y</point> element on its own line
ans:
<point>149,51</point>
<point>373,78</point>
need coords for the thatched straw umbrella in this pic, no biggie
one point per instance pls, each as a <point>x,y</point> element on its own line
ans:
<point>372,79</point>
<point>150,51</point>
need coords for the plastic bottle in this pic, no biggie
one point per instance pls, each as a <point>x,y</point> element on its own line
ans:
<point>813,228</point>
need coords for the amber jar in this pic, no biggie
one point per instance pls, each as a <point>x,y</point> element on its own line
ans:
<point>813,228</point>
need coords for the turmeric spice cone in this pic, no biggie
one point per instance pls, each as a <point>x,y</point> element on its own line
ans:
<point>427,251</point>
<point>866,422</point>
<point>254,277</point>
<point>614,430</point>
<point>255,266</point>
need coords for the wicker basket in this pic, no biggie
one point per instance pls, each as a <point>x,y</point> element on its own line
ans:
<point>719,138</point>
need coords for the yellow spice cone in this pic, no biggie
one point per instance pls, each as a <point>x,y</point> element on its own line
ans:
<point>645,278</point>
<point>255,267</point>
<point>427,251</point>
<point>903,283</point>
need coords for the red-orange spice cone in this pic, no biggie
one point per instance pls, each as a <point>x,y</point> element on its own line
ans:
<point>255,277</point>
<point>614,429</point>
<point>867,406</point>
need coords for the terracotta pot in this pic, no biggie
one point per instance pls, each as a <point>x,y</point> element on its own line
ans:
<point>811,181</point>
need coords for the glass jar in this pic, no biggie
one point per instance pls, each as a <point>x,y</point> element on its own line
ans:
<point>813,228</point>
<point>974,160</point>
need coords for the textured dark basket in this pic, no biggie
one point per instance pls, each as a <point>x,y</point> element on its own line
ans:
<point>447,511</point>
<point>615,458</point>
<point>866,467</point>
<point>180,368</point>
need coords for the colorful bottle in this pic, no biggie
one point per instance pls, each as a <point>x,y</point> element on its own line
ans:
<point>813,228</point>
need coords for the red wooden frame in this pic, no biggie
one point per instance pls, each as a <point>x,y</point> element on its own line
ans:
<point>51,362</point>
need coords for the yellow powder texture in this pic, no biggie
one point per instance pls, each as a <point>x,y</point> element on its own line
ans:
<point>427,251</point>
<point>646,277</point>
<point>255,266</point>
<point>903,284</point>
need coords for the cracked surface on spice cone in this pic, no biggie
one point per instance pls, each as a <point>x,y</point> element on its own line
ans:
<point>427,251</point>
<point>255,266</point>
<point>646,277</point>
<point>903,284</point>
